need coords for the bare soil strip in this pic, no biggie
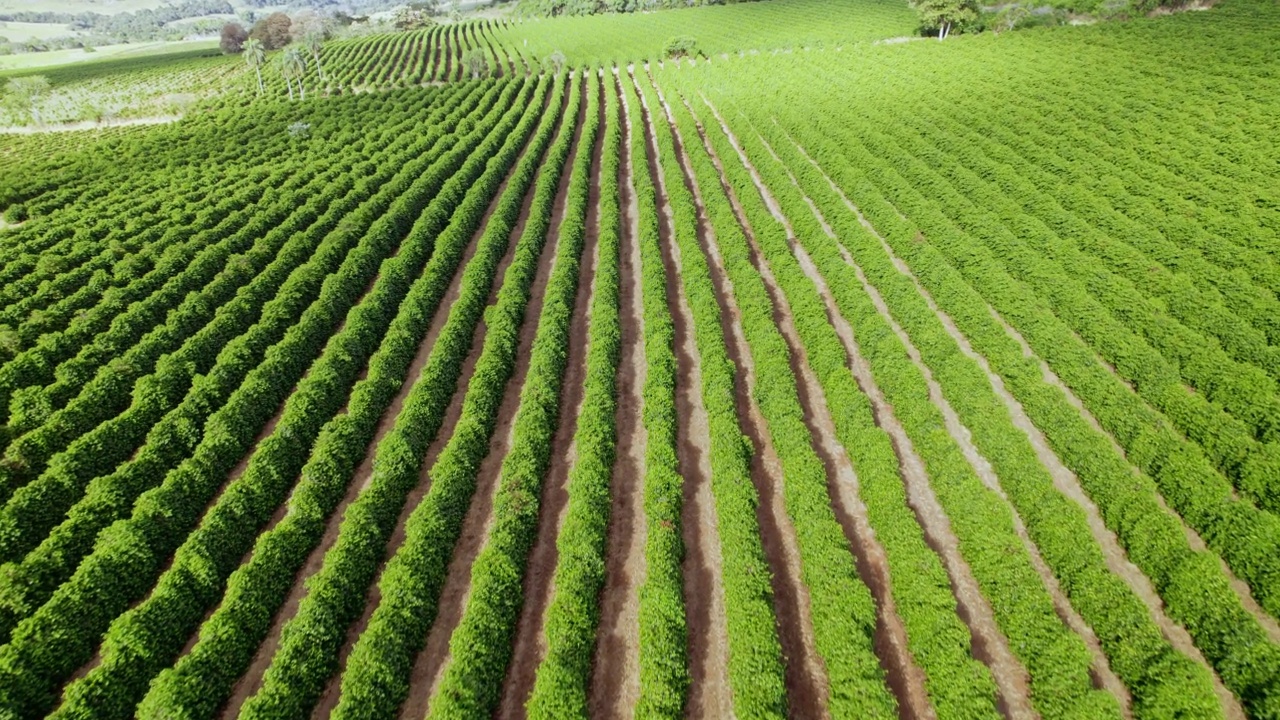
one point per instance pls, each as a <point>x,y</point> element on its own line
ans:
<point>709,693</point>
<point>251,681</point>
<point>329,699</point>
<point>530,644</point>
<point>1067,483</point>
<point>615,677</point>
<point>904,676</point>
<point>989,643</point>
<point>235,473</point>
<point>1101,668</point>
<point>804,674</point>
<point>429,665</point>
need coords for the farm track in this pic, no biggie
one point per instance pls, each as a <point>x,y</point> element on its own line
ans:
<point>709,692</point>
<point>529,646</point>
<point>615,679</point>
<point>904,676</point>
<point>249,683</point>
<point>805,676</point>
<point>428,667</point>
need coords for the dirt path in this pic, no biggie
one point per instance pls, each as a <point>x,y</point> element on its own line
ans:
<point>530,644</point>
<point>615,679</point>
<point>329,699</point>
<point>234,475</point>
<point>709,693</point>
<point>251,681</point>
<point>804,674</point>
<point>1065,480</point>
<point>904,676</point>
<point>430,663</point>
<point>989,643</point>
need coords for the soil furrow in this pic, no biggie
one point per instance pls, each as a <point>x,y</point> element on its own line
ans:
<point>804,674</point>
<point>251,681</point>
<point>1101,668</point>
<point>530,644</point>
<point>329,699</point>
<point>709,691</point>
<point>989,643</point>
<point>234,475</point>
<point>904,676</point>
<point>1140,583</point>
<point>615,677</point>
<point>428,667</point>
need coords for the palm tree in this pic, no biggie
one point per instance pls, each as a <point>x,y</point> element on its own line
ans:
<point>255,55</point>
<point>314,41</point>
<point>293,65</point>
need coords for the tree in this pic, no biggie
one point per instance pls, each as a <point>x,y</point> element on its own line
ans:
<point>293,65</point>
<point>944,15</point>
<point>414,16</point>
<point>1009,18</point>
<point>255,55</point>
<point>272,31</point>
<point>233,37</point>
<point>553,63</point>
<point>314,42</point>
<point>476,63</point>
<point>25,93</point>
<point>307,23</point>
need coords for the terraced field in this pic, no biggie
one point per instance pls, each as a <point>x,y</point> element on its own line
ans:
<point>913,379</point>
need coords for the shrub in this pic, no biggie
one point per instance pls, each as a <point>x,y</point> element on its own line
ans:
<point>683,46</point>
<point>16,214</point>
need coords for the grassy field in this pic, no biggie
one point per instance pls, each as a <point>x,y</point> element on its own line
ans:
<point>163,51</point>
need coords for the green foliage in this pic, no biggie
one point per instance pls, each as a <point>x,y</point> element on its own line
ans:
<point>573,614</point>
<point>16,213</point>
<point>681,47</point>
<point>257,589</point>
<point>945,16</point>
<point>377,676</point>
<point>475,63</point>
<point>188,489</point>
<point>748,27</point>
